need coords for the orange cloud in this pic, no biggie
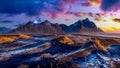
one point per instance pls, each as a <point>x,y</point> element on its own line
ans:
<point>116,20</point>
<point>108,29</point>
<point>92,3</point>
<point>95,2</point>
<point>98,19</point>
<point>80,14</point>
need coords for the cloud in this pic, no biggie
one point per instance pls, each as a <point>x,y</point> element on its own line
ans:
<point>4,30</point>
<point>71,1</point>
<point>6,21</point>
<point>29,7</point>
<point>18,7</point>
<point>41,7</point>
<point>91,3</point>
<point>33,7</point>
<point>116,20</point>
<point>86,4</point>
<point>110,5</point>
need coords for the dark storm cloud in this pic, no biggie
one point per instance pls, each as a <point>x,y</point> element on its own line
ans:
<point>110,4</point>
<point>6,21</point>
<point>31,7</point>
<point>17,7</point>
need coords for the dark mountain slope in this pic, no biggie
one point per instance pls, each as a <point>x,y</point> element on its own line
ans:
<point>47,27</point>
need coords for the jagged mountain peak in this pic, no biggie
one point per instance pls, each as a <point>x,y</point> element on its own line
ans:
<point>47,27</point>
<point>46,22</point>
<point>88,24</point>
<point>79,21</point>
<point>30,23</point>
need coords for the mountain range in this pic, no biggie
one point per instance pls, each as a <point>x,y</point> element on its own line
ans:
<point>47,27</point>
<point>4,30</point>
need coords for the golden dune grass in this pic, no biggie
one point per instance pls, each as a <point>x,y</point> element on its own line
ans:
<point>100,46</point>
<point>11,38</point>
<point>66,40</point>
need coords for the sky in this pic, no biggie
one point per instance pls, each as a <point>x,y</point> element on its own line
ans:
<point>104,13</point>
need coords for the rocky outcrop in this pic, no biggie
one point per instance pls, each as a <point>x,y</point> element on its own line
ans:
<point>42,28</point>
<point>47,27</point>
<point>27,28</point>
<point>76,27</point>
<point>89,26</point>
<point>84,26</point>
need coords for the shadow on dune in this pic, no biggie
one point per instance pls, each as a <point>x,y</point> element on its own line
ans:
<point>61,53</point>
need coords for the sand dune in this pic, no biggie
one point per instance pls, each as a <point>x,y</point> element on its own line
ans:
<point>61,51</point>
